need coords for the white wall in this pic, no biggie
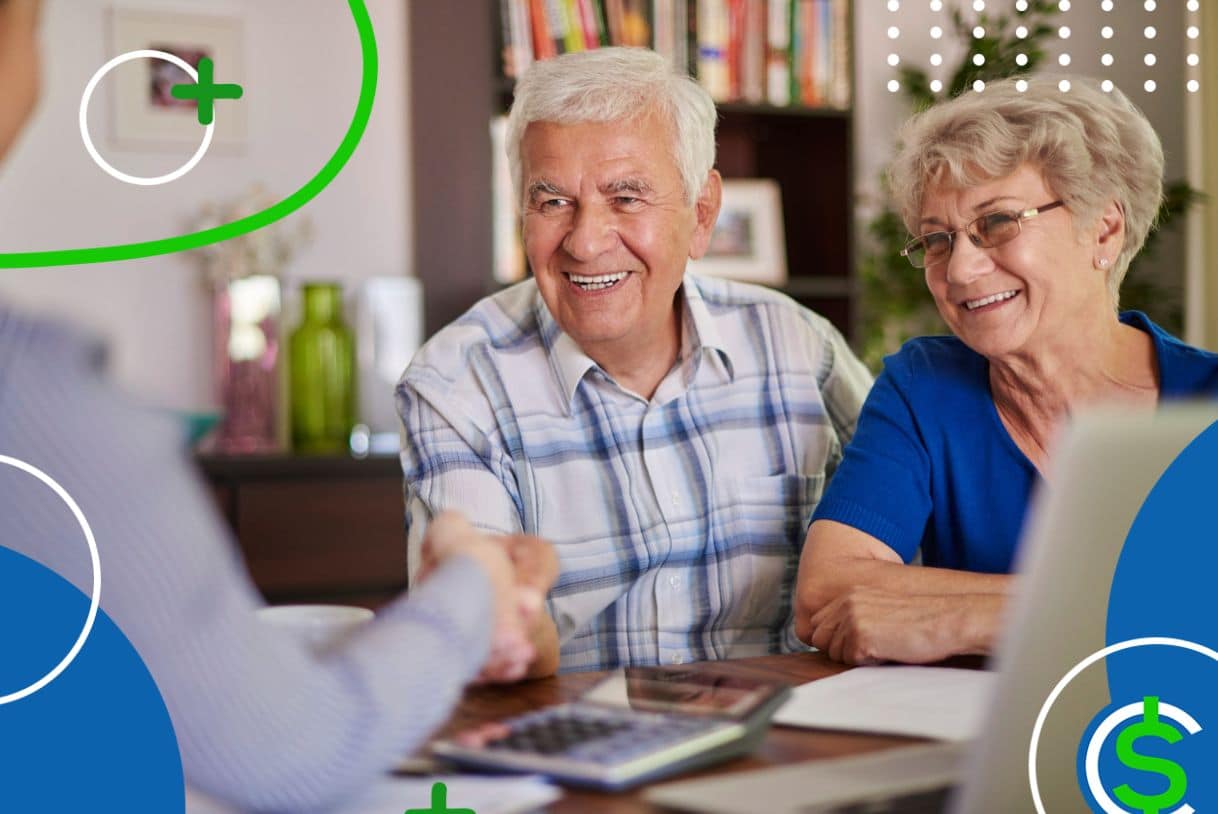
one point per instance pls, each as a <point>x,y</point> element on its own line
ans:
<point>878,113</point>
<point>303,73</point>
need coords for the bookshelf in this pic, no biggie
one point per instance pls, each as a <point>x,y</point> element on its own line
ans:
<point>457,86</point>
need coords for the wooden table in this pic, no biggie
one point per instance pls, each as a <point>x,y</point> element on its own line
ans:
<point>782,745</point>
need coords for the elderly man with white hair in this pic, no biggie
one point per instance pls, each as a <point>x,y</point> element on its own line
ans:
<point>670,434</point>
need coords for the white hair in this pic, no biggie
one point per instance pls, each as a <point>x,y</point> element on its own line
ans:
<point>611,85</point>
<point>1091,147</point>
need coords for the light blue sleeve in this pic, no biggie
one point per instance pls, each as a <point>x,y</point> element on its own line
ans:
<point>262,723</point>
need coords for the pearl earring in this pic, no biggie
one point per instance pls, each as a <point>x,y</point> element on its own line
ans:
<point>1103,262</point>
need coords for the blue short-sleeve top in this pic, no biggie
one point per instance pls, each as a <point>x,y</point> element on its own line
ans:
<point>931,465</point>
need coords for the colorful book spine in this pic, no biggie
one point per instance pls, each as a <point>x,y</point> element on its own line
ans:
<point>753,59</point>
<point>665,29</point>
<point>778,53</point>
<point>736,25</point>
<point>636,23</point>
<point>543,43</point>
<point>823,68</point>
<point>615,12</point>
<point>572,27</point>
<point>841,86</point>
<point>713,27</point>
<point>589,24</point>
<point>517,37</point>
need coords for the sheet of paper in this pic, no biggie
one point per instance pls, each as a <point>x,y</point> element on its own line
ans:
<point>393,795</point>
<point>930,702</point>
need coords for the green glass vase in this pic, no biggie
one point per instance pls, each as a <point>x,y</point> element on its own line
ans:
<point>322,373</point>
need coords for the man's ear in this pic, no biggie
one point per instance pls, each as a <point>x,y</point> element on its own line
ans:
<point>1109,235</point>
<point>706,210</point>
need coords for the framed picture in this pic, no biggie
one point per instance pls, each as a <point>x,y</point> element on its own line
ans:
<point>145,112</point>
<point>748,243</point>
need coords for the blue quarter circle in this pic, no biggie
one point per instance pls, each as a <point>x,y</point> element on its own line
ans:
<point>96,739</point>
<point>1165,585</point>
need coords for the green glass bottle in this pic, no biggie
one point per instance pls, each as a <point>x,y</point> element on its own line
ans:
<point>322,373</point>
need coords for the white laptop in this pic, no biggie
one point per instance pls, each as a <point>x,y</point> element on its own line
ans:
<point>1105,467</point>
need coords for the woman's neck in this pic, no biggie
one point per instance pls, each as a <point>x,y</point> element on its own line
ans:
<point>1036,389</point>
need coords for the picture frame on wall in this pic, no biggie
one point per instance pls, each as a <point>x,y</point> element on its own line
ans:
<point>144,113</point>
<point>749,242</point>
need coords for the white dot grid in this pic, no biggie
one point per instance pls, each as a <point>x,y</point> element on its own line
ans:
<point>1107,32</point>
<point>1194,56</point>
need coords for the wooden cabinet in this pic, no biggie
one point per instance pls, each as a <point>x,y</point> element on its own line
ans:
<point>315,529</point>
<point>456,87</point>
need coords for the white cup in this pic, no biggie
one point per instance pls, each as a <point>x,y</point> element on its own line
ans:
<point>319,627</point>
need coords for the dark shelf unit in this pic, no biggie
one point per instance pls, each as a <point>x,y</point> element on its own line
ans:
<point>315,529</point>
<point>456,87</point>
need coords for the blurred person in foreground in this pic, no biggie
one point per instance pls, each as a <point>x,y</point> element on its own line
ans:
<point>1026,209</point>
<point>262,722</point>
<point>669,432</point>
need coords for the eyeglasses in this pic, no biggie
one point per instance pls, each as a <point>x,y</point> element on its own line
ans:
<point>990,230</point>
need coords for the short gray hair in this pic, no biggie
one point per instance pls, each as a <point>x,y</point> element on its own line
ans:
<point>1092,147</point>
<point>617,84</point>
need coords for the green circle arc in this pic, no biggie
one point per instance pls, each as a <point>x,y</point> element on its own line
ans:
<point>251,223</point>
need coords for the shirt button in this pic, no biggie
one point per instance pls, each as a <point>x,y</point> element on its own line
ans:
<point>674,582</point>
<point>676,499</point>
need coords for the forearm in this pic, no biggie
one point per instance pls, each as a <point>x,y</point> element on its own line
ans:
<point>830,578</point>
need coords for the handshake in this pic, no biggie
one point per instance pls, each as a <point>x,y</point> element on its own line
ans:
<point>521,569</point>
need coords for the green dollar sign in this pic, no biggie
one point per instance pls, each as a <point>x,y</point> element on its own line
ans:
<point>1177,782</point>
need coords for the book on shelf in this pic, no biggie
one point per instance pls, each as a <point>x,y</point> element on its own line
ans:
<point>517,37</point>
<point>776,52</point>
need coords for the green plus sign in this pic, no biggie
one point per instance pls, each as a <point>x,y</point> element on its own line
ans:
<point>439,803</point>
<point>206,91</point>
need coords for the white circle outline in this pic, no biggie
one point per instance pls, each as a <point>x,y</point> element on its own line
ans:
<point>1145,641</point>
<point>84,120</point>
<point>94,600</point>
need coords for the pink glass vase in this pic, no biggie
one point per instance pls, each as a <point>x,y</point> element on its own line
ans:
<point>245,315</point>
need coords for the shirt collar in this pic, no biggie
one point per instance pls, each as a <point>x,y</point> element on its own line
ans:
<point>570,364</point>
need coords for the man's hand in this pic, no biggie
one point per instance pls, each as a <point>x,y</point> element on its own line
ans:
<point>870,626</point>
<point>521,570</point>
<point>536,567</point>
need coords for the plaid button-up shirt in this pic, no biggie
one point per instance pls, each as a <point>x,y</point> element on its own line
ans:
<point>678,520</point>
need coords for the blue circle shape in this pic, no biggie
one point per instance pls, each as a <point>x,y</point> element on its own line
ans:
<point>96,739</point>
<point>1164,586</point>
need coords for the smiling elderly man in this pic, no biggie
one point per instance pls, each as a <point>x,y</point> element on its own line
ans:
<point>671,434</point>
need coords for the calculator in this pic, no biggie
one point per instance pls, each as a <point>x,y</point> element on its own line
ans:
<point>640,724</point>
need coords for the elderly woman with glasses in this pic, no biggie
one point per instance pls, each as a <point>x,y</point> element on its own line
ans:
<point>1027,207</point>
